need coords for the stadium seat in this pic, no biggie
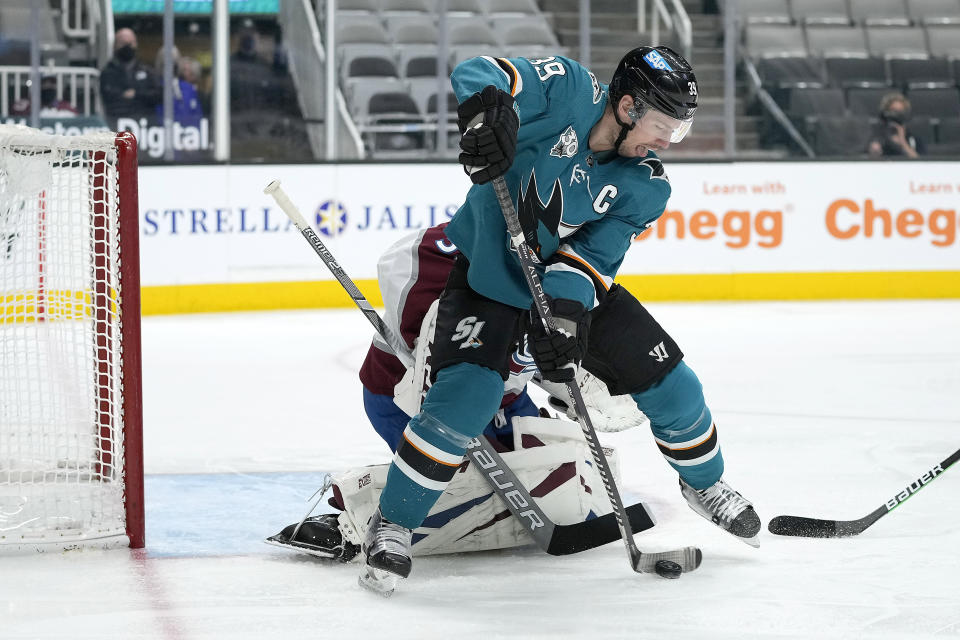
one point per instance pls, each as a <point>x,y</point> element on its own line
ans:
<point>820,12</point>
<point>395,108</point>
<point>531,32</point>
<point>472,31</point>
<point>459,54</point>
<point>791,72</point>
<point>406,7</point>
<point>766,41</point>
<point>764,11</point>
<point>866,101</point>
<point>839,42</point>
<point>419,63</point>
<point>897,42</point>
<point>412,30</point>
<point>935,103</point>
<point>512,7</point>
<point>879,12</point>
<point>944,41</point>
<point>349,52</point>
<point>534,52</point>
<point>360,90</point>
<point>856,72</point>
<point>934,11</point>
<point>841,136</point>
<point>361,7</point>
<point>922,127</point>
<point>423,90</point>
<point>815,103</point>
<point>371,67</point>
<point>930,73</point>
<point>948,131</point>
<point>361,30</point>
<point>465,7</point>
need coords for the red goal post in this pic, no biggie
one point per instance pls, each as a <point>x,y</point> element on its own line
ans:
<point>71,449</point>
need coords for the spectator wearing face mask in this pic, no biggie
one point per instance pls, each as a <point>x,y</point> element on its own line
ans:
<point>130,89</point>
<point>51,106</point>
<point>892,137</point>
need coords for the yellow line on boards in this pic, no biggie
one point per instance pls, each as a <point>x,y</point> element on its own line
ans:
<point>263,296</point>
<point>256,296</point>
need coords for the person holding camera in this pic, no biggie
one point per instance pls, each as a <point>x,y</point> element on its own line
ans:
<point>892,138</point>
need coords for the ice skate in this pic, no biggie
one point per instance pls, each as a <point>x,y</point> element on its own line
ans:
<point>726,508</point>
<point>319,536</point>
<point>387,549</point>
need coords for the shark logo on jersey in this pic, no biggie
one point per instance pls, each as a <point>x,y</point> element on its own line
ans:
<point>540,221</point>
<point>566,146</point>
<point>597,89</point>
<point>656,168</point>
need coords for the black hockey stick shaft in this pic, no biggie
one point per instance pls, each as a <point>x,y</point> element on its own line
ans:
<point>542,304</point>
<point>552,538</point>
<point>818,528</point>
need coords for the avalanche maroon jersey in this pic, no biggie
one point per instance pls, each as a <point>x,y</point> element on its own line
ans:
<point>412,273</point>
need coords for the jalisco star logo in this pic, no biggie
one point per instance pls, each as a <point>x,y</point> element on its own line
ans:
<point>331,218</point>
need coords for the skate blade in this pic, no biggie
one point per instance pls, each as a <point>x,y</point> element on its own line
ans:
<point>378,581</point>
<point>316,552</point>
<point>753,542</point>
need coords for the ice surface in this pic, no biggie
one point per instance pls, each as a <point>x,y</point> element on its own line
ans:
<point>823,409</point>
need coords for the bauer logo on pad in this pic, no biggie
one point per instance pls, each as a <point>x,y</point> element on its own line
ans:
<point>656,61</point>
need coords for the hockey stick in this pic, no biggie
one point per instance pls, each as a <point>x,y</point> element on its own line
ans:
<point>687,557</point>
<point>555,539</point>
<point>816,528</point>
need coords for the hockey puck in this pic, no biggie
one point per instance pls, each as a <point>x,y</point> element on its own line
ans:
<point>668,569</point>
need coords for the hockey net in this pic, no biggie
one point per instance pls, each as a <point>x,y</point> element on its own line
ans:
<point>70,418</point>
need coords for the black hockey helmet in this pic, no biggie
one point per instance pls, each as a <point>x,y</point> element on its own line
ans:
<point>658,78</point>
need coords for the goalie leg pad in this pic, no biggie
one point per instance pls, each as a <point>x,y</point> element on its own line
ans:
<point>555,466</point>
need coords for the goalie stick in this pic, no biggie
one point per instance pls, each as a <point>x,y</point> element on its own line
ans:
<point>687,557</point>
<point>555,539</point>
<point>817,528</point>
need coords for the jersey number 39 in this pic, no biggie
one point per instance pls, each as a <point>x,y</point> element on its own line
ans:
<point>547,67</point>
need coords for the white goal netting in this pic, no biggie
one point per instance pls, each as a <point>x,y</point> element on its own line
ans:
<point>61,419</point>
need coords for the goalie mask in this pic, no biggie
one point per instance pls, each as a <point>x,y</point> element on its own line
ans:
<point>664,89</point>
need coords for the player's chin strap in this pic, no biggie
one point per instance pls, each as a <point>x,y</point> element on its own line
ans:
<point>604,157</point>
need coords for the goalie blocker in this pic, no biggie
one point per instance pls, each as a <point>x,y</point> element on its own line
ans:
<point>550,458</point>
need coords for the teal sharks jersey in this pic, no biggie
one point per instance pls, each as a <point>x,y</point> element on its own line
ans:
<point>580,215</point>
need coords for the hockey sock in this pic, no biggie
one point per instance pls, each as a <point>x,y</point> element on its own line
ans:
<point>683,427</point>
<point>456,409</point>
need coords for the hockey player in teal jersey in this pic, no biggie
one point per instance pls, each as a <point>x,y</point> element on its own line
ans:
<point>579,160</point>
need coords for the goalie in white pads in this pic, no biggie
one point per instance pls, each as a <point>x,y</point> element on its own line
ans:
<point>548,455</point>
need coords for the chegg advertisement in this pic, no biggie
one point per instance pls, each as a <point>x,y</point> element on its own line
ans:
<point>746,231</point>
<point>805,217</point>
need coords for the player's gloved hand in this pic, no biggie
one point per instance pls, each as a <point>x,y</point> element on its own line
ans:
<point>558,353</point>
<point>488,123</point>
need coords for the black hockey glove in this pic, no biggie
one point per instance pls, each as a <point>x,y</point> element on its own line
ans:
<point>489,124</point>
<point>558,353</point>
